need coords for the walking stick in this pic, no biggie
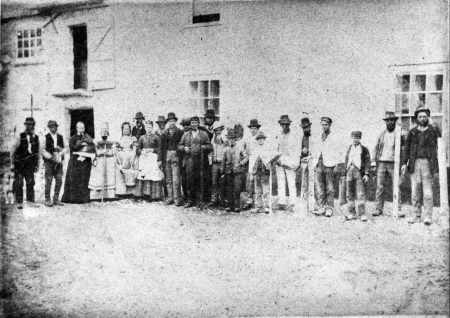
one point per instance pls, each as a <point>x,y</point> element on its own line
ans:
<point>104,173</point>
<point>270,189</point>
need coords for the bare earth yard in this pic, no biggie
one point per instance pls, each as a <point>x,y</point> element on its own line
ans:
<point>126,259</point>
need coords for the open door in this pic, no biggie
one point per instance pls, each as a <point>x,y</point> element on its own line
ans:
<point>84,115</point>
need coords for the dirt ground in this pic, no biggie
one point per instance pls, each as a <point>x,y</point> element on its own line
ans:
<point>126,259</point>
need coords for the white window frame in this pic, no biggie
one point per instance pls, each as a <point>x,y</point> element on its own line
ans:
<point>37,50</point>
<point>197,101</point>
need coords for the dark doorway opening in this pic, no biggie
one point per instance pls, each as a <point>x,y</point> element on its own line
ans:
<point>84,115</point>
<point>80,54</point>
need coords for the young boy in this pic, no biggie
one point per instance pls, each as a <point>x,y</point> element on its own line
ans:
<point>233,164</point>
<point>260,158</point>
<point>218,143</point>
<point>357,163</point>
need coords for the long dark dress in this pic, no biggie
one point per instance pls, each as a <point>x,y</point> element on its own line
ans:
<point>78,172</point>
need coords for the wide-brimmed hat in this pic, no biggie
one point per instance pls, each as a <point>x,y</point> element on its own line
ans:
<point>52,123</point>
<point>210,113</point>
<point>139,115</point>
<point>356,134</point>
<point>218,125</point>
<point>160,119</point>
<point>304,122</point>
<point>260,135</point>
<point>195,118</point>
<point>389,115</point>
<point>29,121</point>
<point>254,123</point>
<point>420,109</point>
<point>284,119</point>
<point>326,119</point>
<point>171,116</point>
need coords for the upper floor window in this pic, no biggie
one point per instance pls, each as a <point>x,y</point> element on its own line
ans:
<point>415,88</point>
<point>29,42</point>
<point>205,11</point>
<point>205,95</point>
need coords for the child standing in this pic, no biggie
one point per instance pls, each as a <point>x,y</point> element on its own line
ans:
<point>261,170</point>
<point>234,161</point>
<point>357,163</point>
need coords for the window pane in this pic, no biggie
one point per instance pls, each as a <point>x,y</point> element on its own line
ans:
<point>420,83</point>
<point>215,89</point>
<point>19,34</point>
<point>25,43</point>
<point>194,88</point>
<point>434,102</point>
<point>437,121</point>
<point>205,104</point>
<point>25,33</point>
<point>20,53</point>
<point>31,52</point>
<point>25,53</point>
<point>405,122</point>
<point>435,82</point>
<point>401,103</point>
<point>38,32</point>
<point>215,105</point>
<point>32,33</point>
<point>38,42</point>
<point>19,44</point>
<point>203,89</point>
<point>403,82</point>
<point>31,43</point>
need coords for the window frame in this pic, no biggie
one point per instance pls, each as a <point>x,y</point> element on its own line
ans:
<point>37,50</point>
<point>193,16</point>
<point>197,98</point>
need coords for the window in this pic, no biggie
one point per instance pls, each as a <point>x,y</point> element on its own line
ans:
<point>205,11</point>
<point>205,95</point>
<point>80,54</point>
<point>29,42</point>
<point>419,88</point>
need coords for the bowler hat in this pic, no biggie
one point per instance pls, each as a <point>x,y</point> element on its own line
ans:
<point>422,109</point>
<point>304,122</point>
<point>254,123</point>
<point>326,119</point>
<point>356,134</point>
<point>390,115</point>
<point>160,119</point>
<point>171,116</point>
<point>52,123</point>
<point>260,135</point>
<point>29,121</point>
<point>195,118</point>
<point>210,113</point>
<point>139,115</point>
<point>284,119</point>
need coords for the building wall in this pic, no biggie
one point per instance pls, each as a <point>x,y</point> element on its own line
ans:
<point>271,57</point>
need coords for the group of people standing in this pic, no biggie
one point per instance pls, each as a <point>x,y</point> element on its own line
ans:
<point>213,165</point>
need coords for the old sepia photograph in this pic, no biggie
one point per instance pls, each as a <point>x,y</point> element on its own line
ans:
<point>224,158</point>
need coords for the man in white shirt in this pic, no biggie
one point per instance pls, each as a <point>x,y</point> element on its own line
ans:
<point>288,148</point>
<point>250,143</point>
<point>327,154</point>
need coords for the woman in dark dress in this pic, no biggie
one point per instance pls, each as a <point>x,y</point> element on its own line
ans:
<point>82,152</point>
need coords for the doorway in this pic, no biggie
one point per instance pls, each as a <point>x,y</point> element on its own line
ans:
<point>80,55</point>
<point>84,115</point>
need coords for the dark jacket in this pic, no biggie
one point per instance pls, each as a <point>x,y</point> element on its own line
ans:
<point>195,144</point>
<point>365,160</point>
<point>22,158</point>
<point>49,145</point>
<point>412,142</point>
<point>170,142</point>
<point>138,132</point>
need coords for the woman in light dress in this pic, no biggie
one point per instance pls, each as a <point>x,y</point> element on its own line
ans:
<point>150,175</point>
<point>102,182</point>
<point>126,172</point>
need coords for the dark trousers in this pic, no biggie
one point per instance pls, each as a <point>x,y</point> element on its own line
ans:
<point>216,182</point>
<point>26,173</point>
<point>324,185</point>
<point>194,173</point>
<point>52,170</point>
<point>233,186</point>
